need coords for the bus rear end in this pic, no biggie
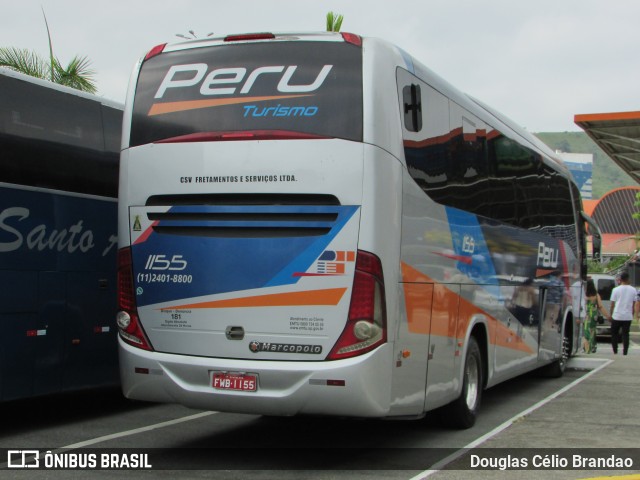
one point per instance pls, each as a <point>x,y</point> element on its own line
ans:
<point>242,286</point>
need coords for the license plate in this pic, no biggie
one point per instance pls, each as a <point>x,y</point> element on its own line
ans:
<point>242,382</point>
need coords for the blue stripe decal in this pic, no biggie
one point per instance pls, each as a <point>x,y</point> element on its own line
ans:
<point>470,246</point>
<point>306,259</point>
<point>222,261</point>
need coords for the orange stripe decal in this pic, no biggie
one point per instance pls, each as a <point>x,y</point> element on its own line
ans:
<point>543,273</point>
<point>417,297</point>
<point>412,275</point>
<point>171,107</point>
<point>433,308</point>
<point>330,296</point>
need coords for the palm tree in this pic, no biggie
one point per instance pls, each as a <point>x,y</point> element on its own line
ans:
<point>334,22</point>
<point>77,74</point>
<point>24,61</point>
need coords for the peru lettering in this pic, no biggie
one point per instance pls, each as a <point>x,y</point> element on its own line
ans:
<point>224,81</point>
<point>547,256</point>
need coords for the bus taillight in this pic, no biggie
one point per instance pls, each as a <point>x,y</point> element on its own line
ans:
<point>127,318</point>
<point>352,38</point>
<point>367,324</point>
<point>157,50</point>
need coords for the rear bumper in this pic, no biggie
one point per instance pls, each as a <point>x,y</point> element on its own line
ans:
<point>284,388</point>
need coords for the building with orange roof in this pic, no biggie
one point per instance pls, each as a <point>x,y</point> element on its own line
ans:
<point>613,213</point>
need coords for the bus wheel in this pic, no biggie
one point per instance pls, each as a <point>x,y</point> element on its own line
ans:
<point>463,411</point>
<point>557,368</point>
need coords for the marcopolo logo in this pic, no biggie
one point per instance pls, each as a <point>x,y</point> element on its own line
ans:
<point>256,347</point>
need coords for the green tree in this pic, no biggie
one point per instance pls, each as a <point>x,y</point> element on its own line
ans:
<point>77,74</point>
<point>636,216</point>
<point>24,61</point>
<point>334,22</point>
<point>564,146</point>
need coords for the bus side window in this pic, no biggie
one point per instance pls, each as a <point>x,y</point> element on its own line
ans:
<point>412,100</point>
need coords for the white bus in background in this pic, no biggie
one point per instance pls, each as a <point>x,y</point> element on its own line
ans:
<point>318,224</point>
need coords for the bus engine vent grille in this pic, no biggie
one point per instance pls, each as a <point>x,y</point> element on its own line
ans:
<point>245,216</point>
<point>242,199</point>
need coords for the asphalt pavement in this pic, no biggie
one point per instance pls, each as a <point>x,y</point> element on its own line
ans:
<point>596,420</point>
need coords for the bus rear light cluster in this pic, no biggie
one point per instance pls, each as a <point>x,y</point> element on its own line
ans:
<point>157,50</point>
<point>366,326</point>
<point>127,318</point>
<point>352,38</point>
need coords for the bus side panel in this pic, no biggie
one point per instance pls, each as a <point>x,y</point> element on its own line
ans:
<point>57,305</point>
<point>431,303</point>
<point>509,277</point>
<point>89,332</point>
<point>412,344</point>
<point>17,355</point>
<point>52,311</point>
<point>380,233</point>
<point>470,272</point>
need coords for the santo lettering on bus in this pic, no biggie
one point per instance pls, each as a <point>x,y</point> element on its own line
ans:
<point>225,81</point>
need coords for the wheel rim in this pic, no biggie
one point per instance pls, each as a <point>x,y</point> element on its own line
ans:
<point>472,379</point>
<point>564,354</point>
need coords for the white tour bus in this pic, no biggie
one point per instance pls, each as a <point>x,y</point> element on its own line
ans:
<point>318,224</point>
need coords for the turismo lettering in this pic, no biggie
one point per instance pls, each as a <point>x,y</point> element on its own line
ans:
<point>279,111</point>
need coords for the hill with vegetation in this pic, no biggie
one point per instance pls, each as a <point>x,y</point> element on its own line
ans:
<point>606,174</point>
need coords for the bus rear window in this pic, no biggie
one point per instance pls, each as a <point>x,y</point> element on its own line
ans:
<point>307,87</point>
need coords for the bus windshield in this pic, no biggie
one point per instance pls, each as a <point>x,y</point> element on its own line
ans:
<point>250,87</point>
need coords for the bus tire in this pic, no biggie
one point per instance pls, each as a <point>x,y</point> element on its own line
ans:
<point>557,368</point>
<point>462,413</point>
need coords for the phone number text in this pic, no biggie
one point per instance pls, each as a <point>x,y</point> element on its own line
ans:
<point>164,278</point>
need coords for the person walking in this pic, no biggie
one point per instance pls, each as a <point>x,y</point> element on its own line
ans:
<point>623,299</point>
<point>594,306</point>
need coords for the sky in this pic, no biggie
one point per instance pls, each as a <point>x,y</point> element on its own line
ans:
<point>538,62</point>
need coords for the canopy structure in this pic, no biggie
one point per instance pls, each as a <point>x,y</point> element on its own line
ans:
<point>611,218</point>
<point>618,134</point>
